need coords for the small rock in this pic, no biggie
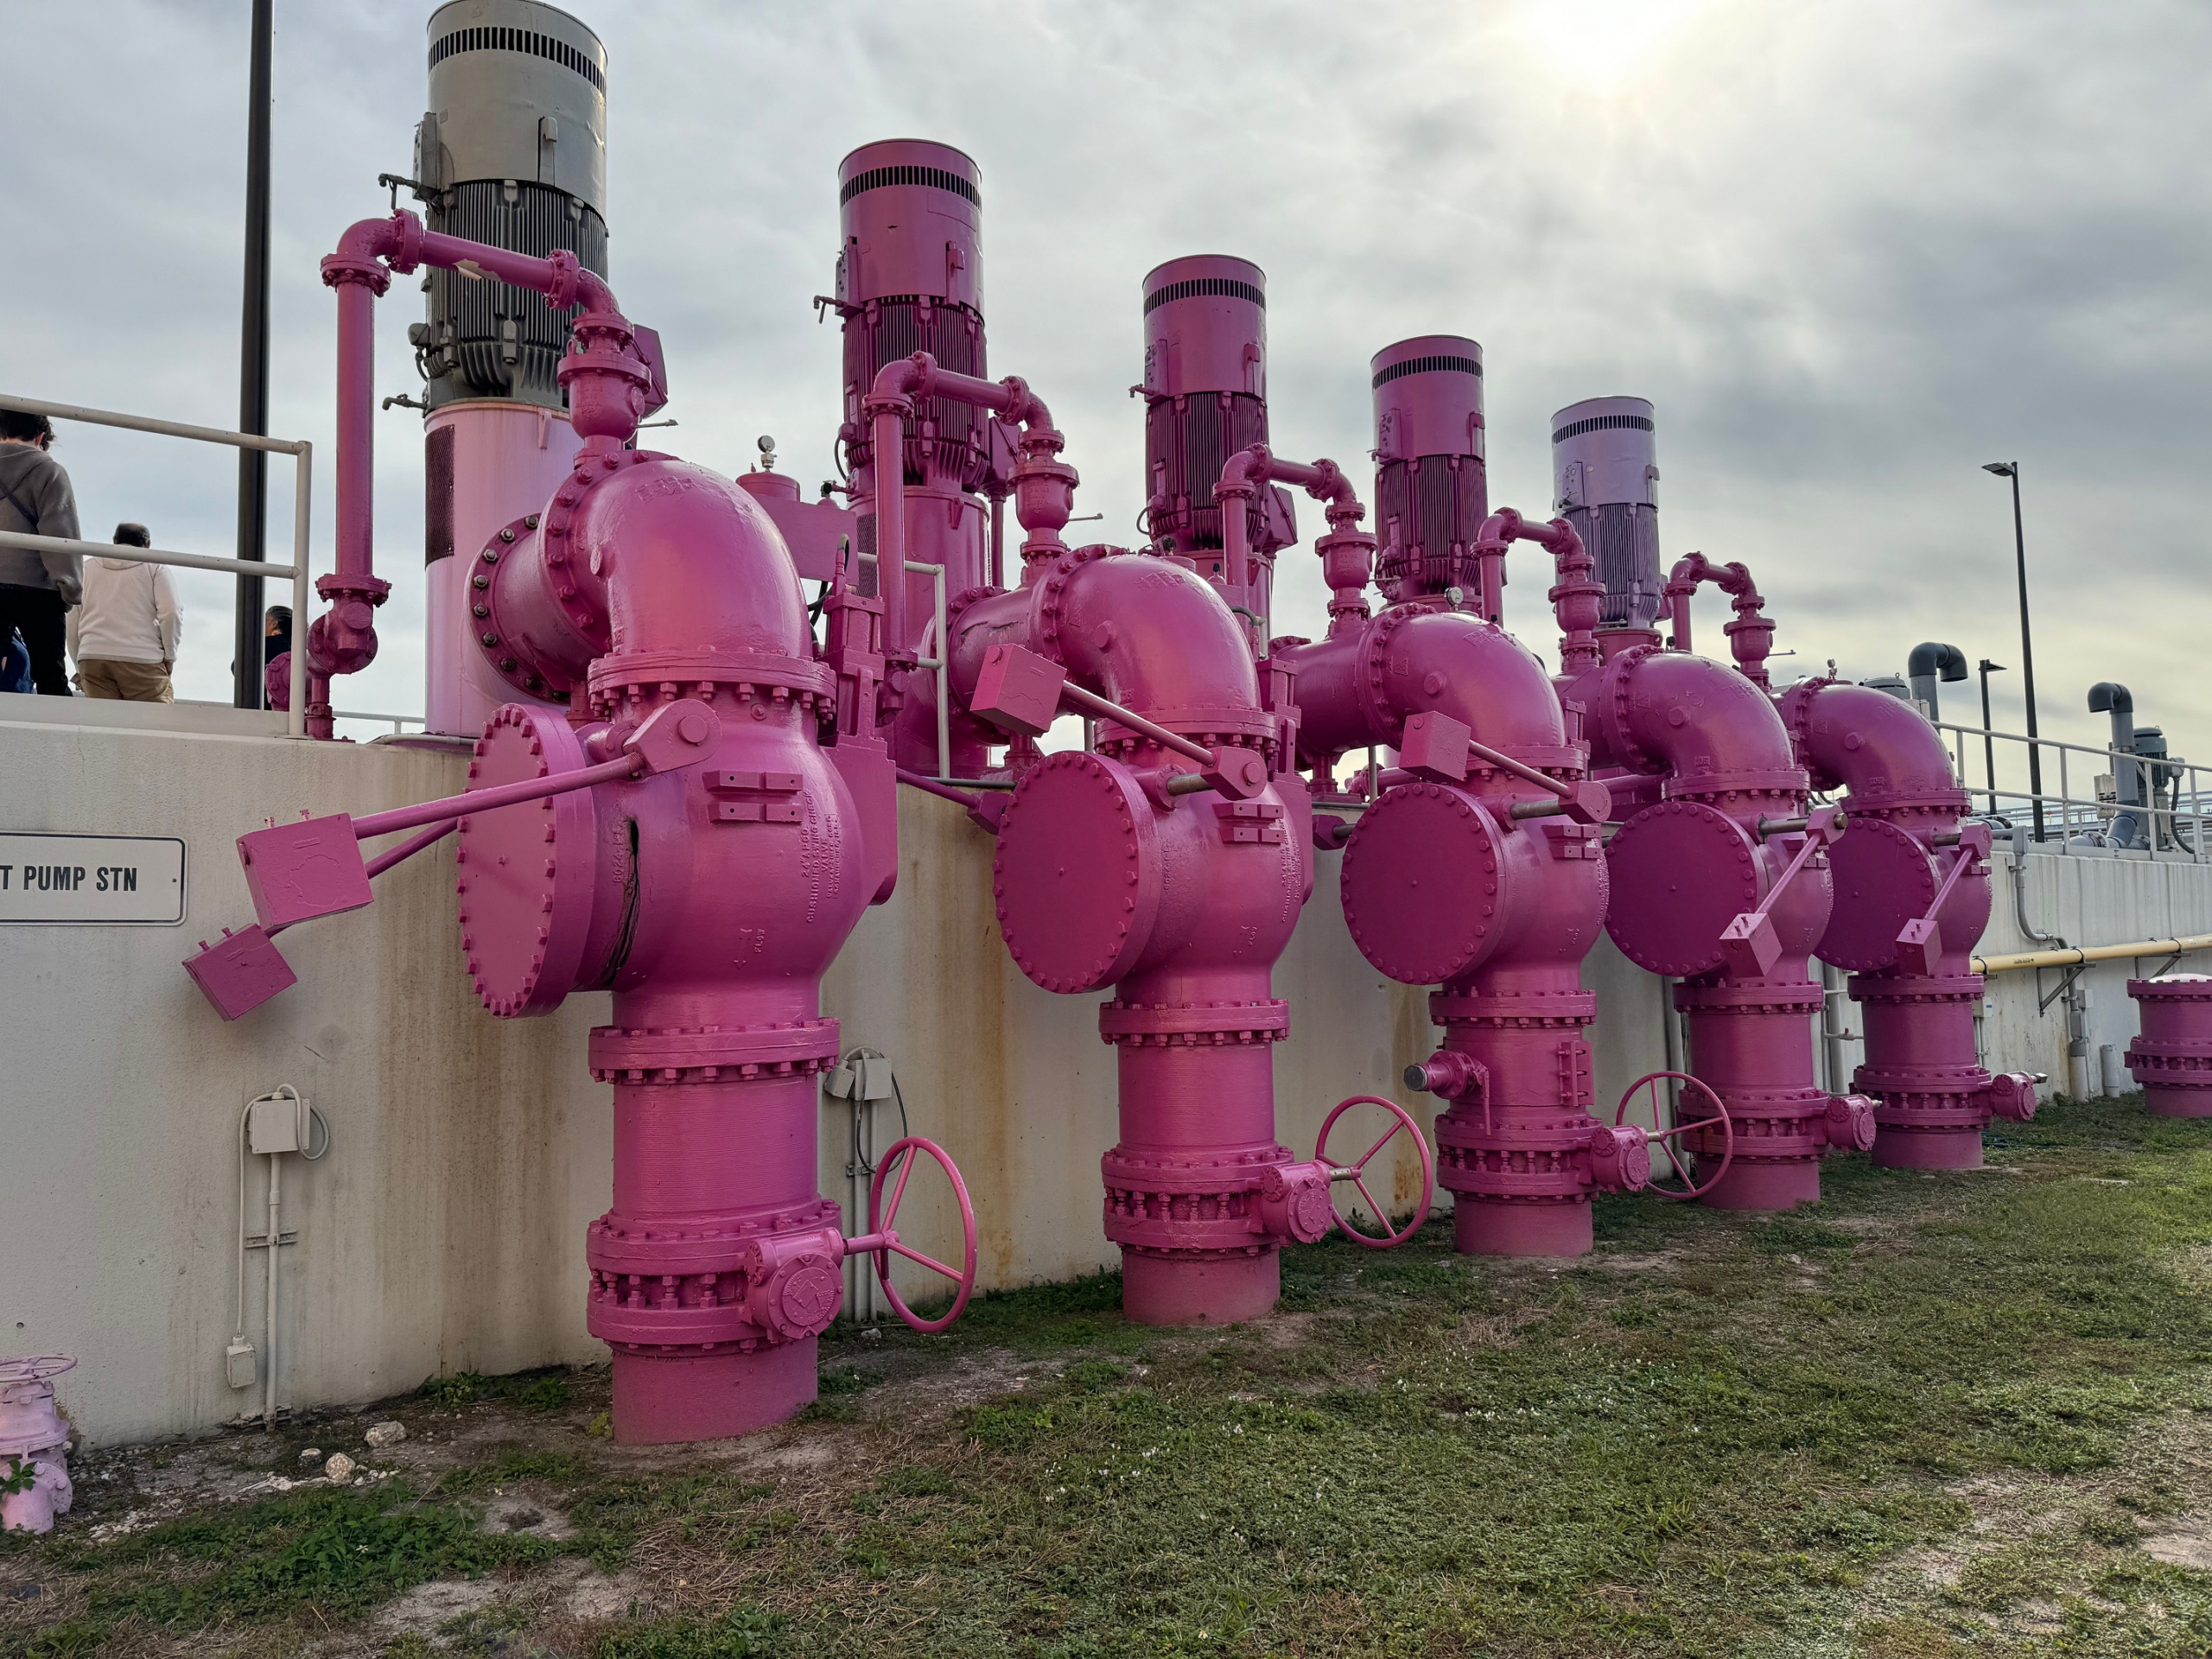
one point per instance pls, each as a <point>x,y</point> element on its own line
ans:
<point>871,1334</point>
<point>381,1435</point>
<point>311,1454</point>
<point>339,1468</point>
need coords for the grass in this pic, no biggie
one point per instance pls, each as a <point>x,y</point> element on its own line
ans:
<point>1935,1417</point>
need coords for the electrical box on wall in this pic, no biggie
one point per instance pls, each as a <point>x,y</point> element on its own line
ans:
<point>277,1123</point>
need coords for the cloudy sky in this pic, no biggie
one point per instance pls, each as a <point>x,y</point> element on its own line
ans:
<point>1851,249</point>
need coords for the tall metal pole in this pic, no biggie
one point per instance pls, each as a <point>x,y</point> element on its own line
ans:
<point>2011,469</point>
<point>1988,743</point>
<point>253,368</point>
<point>2027,651</point>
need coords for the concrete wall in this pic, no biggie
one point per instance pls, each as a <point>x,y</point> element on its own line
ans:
<point>445,1228</point>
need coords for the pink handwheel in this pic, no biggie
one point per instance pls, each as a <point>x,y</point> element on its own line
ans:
<point>1357,1172</point>
<point>882,1239</point>
<point>1669,1141</point>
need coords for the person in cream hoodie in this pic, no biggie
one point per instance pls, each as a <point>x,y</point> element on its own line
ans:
<point>124,635</point>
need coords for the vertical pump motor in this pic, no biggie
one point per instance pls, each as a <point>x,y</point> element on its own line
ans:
<point>1205,392</point>
<point>1606,479</point>
<point>1432,492</point>
<point>511,152</point>
<point>910,278</point>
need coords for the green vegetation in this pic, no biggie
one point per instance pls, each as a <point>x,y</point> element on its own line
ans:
<point>1940,1416</point>
<point>545,1390</point>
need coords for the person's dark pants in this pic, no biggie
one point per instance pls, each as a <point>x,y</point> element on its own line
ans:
<point>39,615</point>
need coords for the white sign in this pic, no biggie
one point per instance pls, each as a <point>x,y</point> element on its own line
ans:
<point>92,878</point>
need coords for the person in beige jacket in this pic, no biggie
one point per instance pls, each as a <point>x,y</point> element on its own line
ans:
<point>124,635</point>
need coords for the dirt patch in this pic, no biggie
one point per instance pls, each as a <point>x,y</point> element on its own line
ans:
<point>2186,1542</point>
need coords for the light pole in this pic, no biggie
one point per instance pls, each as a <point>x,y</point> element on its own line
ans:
<point>1988,743</point>
<point>2011,469</point>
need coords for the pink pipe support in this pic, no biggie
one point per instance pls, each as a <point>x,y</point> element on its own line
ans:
<point>614,376</point>
<point>1911,899</point>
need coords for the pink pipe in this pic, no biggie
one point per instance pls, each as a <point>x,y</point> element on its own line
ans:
<point>1750,635</point>
<point>1446,881</point>
<point>343,639</point>
<point>1685,868</point>
<point>1346,553</point>
<point>1918,986</point>
<point>1181,901</point>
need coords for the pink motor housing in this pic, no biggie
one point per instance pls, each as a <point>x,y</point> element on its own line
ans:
<point>1431,490</point>
<point>1205,392</point>
<point>910,278</point>
<point>2172,1057</point>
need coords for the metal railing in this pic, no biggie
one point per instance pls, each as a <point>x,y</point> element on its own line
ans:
<point>303,454</point>
<point>2171,817</point>
<point>940,665</point>
<point>398,722</point>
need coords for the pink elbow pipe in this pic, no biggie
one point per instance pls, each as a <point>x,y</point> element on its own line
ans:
<point>1685,868</point>
<point>1907,941</point>
<point>1443,885</point>
<point>1043,487</point>
<point>1180,902</point>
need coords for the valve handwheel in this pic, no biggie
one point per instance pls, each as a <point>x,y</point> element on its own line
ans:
<point>1669,1141</point>
<point>34,1367</point>
<point>1355,1172</point>
<point>882,1240</point>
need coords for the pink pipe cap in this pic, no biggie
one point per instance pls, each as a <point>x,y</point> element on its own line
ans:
<point>241,972</point>
<point>297,872</point>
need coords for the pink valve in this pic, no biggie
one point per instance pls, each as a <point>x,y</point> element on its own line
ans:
<point>1355,1172</point>
<point>35,1484</point>
<point>1672,1141</point>
<point>882,1240</point>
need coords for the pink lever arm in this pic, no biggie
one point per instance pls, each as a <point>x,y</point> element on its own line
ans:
<point>692,726</point>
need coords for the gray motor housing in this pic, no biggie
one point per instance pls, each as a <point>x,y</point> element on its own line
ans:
<point>513,152</point>
<point>1606,483</point>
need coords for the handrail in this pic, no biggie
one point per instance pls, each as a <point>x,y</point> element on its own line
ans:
<point>2174,816</point>
<point>303,454</point>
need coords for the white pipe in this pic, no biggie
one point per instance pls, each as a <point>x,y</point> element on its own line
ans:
<point>269,1377</point>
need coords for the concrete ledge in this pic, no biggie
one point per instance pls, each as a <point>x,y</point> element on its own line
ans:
<point>205,719</point>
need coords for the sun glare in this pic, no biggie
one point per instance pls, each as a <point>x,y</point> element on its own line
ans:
<point>1605,44</point>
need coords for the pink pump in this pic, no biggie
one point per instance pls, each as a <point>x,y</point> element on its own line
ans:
<point>715,778</point>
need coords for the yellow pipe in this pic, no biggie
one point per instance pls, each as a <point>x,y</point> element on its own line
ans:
<point>2092,953</point>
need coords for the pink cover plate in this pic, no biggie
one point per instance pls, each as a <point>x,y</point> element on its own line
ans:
<point>1078,849</point>
<point>523,930</point>
<point>1883,879</point>
<point>1420,883</point>
<point>1681,872</point>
